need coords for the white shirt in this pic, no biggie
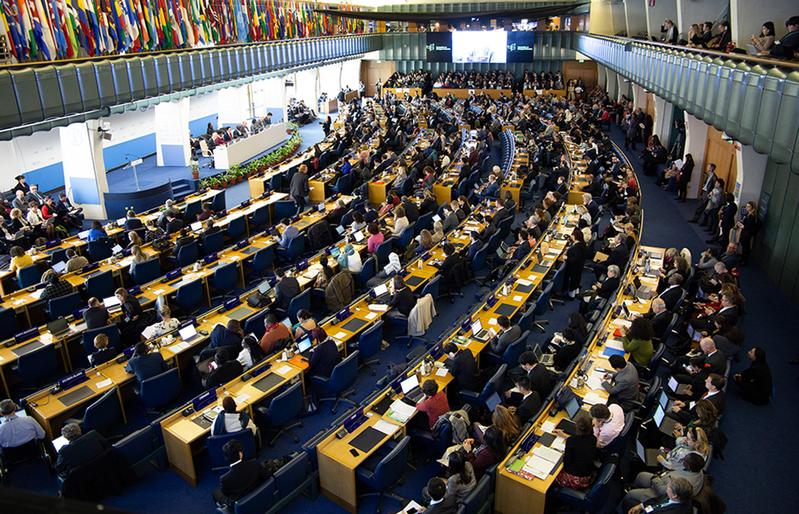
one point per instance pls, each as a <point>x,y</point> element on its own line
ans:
<point>245,358</point>
<point>399,225</point>
<point>607,432</point>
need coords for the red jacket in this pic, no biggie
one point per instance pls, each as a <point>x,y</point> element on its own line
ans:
<point>434,407</point>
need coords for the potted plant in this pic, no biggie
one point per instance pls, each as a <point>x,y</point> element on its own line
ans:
<point>195,170</point>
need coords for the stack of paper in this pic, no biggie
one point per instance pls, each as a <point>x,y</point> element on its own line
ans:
<point>283,370</point>
<point>385,427</point>
<point>595,380</point>
<point>593,398</point>
<point>548,426</point>
<point>547,453</point>
<point>538,467</point>
<point>401,411</point>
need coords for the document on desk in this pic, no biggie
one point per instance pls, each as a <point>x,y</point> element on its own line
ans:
<point>548,426</point>
<point>340,335</point>
<point>385,427</point>
<point>378,307</point>
<point>595,380</point>
<point>104,383</point>
<point>441,372</point>
<point>538,467</point>
<point>616,344</point>
<point>178,347</point>
<point>283,370</point>
<point>593,398</point>
<point>37,294</point>
<point>547,453</point>
<point>411,507</point>
<point>370,315</point>
<point>523,282</point>
<point>241,398</point>
<point>400,411</point>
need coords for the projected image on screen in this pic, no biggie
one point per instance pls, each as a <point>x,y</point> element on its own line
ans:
<point>485,47</point>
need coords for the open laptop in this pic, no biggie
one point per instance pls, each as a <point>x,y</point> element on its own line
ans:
<point>59,267</point>
<point>188,333</point>
<point>648,455</point>
<point>411,390</point>
<point>546,359</point>
<point>493,401</point>
<point>58,327</point>
<point>567,424</point>
<point>358,236</point>
<point>641,291</point>
<point>380,291</point>
<point>304,346</point>
<point>664,423</point>
<point>478,332</point>
<point>676,387</point>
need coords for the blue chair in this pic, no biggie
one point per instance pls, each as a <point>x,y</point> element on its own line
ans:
<point>58,255</point>
<point>141,449</point>
<point>147,271</point>
<point>38,367</point>
<point>190,297</point>
<point>526,320</point>
<point>104,414</point>
<point>510,356</point>
<point>293,252</point>
<point>383,249</point>
<point>432,287</point>
<point>101,285</point>
<point>478,263</point>
<point>63,306</point>
<point>87,338</point>
<point>218,204</point>
<point>299,302</point>
<point>224,280</point>
<point>479,500</point>
<point>191,212</point>
<point>161,390</point>
<point>343,185</point>
<point>425,221</point>
<point>260,218</point>
<point>339,385</point>
<point>276,182</point>
<point>293,478</point>
<point>593,499</point>
<point>99,250</point>
<point>492,386</point>
<point>215,444</point>
<point>255,324</point>
<point>369,343</point>
<point>494,242</point>
<point>236,229</point>
<point>29,276</point>
<point>213,243</point>
<point>405,237</point>
<point>262,261</point>
<point>284,209</point>
<point>368,271</point>
<point>8,323</point>
<point>381,472</point>
<point>188,254</point>
<point>258,501</point>
<point>542,306</point>
<point>282,410</point>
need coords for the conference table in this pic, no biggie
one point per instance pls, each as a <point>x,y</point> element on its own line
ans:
<point>524,477</point>
<point>231,154</point>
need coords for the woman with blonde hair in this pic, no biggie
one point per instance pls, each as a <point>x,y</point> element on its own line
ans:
<point>134,239</point>
<point>438,232</point>
<point>694,441</point>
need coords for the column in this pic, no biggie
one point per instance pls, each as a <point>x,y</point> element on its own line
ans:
<point>691,11</point>
<point>664,115</point>
<point>602,77</point>
<point>639,97</point>
<point>622,87</point>
<point>234,105</point>
<point>601,17</point>
<point>750,171</point>
<point>172,136</point>
<point>695,142</point>
<point>747,16</point>
<point>635,16</point>
<point>84,167</point>
<point>613,84</point>
<point>655,14</point>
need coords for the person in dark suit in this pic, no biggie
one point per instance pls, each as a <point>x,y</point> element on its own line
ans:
<point>298,189</point>
<point>287,287</point>
<point>541,379</point>
<point>714,385</point>
<point>659,317</point>
<point>440,501</point>
<point>508,333</point>
<point>755,382</point>
<point>463,367</point>
<point>225,369</point>
<point>131,323</point>
<point>600,290</point>
<point>672,294</point>
<point>242,477</point>
<point>144,364</point>
<point>79,450</point>
<point>96,315</point>
<point>323,359</point>
<point>402,300</point>
<point>694,371</point>
<point>676,501</point>
<point>173,223</point>
<point>222,336</point>
<point>530,403</point>
<point>102,353</point>
<point>575,260</point>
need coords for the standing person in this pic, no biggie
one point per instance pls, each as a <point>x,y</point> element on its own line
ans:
<point>326,125</point>
<point>684,177</point>
<point>299,188</point>
<point>755,382</point>
<point>575,260</point>
<point>748,228</point>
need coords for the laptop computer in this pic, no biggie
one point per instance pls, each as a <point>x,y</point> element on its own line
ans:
<point>664,423</point>
<point>411,390</point>
<point>546,359</point>
<point>478,332</point>
<point>380,291</point>
<point>567,424</point>
<point>641,291</point>
<point>358,236</point>
<point>58,327</point>
<point>304,346</point>
<point>493,401</point>
<point>676,387</point>
<point>648,455</point>
<point>59,267</point>
<point>188,333</point>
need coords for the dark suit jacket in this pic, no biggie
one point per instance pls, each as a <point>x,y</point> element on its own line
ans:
<point>660,322</point>
<point>79,452</point>
<point>323,359</point>
<point>403,300</point>
<point>608,287</point>
<point>528,407</point>
<point>504,339</point>
<point>146,366</point>
<point>173,226</point>
<point>542,380</point>
<point>713,363</point>
<point>673,508</point>
<point>224,374</point>
<point>242,478</point>
<point>464,368</point>
<point>285,290</point>
<point>449,505</point>
<point>95,317</point>
<point>670,297</point>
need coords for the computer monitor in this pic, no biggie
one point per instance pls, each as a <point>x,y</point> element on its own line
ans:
<point>663,400</point>
<point>380,290</point>
<point>477,327</point>
<point>111,301</point>
<point>287,322</point>
<point>304,344</point>
<point>196,226</point>
<point>537,352</point>
<point>187,332</point>
<point>572,408</point>
<point>409,384</point>
<point>659,415</point>
<point>264,287</point>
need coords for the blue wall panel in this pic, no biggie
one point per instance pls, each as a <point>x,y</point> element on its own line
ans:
<point>49,178</point>
<point>198,126</point>
<point>118,155</point>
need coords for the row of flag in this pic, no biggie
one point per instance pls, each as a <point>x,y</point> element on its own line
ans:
<point>45,30</point>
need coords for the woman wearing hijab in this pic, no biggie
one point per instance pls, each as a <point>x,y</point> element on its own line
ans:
<point>393,266</point>
<point>350,259</point>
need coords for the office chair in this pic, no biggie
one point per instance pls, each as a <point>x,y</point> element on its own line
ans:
<point>368,271</point>
<point>294,251</point>
<point>224,281</point>
<point>190,297</point>
<point>8,323</point>
<point>87,338</point>
<point>291,479</point>
<point>103,414</point>
<point>593,499</point>
<point>492,386</point>
<point>256,268</point>
<point>63,306</point>
<point>38,367</point>
<point>369,344</point>
<point>101,285</point>
<point>161,390</point>
<point>142,450</point>
<point>255,324</point>
<point>510,356</point>
<point>383,249</point>
<point>260,218</point>
<point>382,471</point>
<point>405,237</point>
<point>478,501</point>
<point>282,410</point>
<point>187,254</point>
<point>147,271</point>
<point>216,442</point>
<point>192,210</point>
<point>432,287</point>
<point>236,229</point>
<point>339,385</point>
<point>29,276</point>
<point>299,302</point>
<point>99,250</point>
<point>541,307</point>
<point>213,243</point>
